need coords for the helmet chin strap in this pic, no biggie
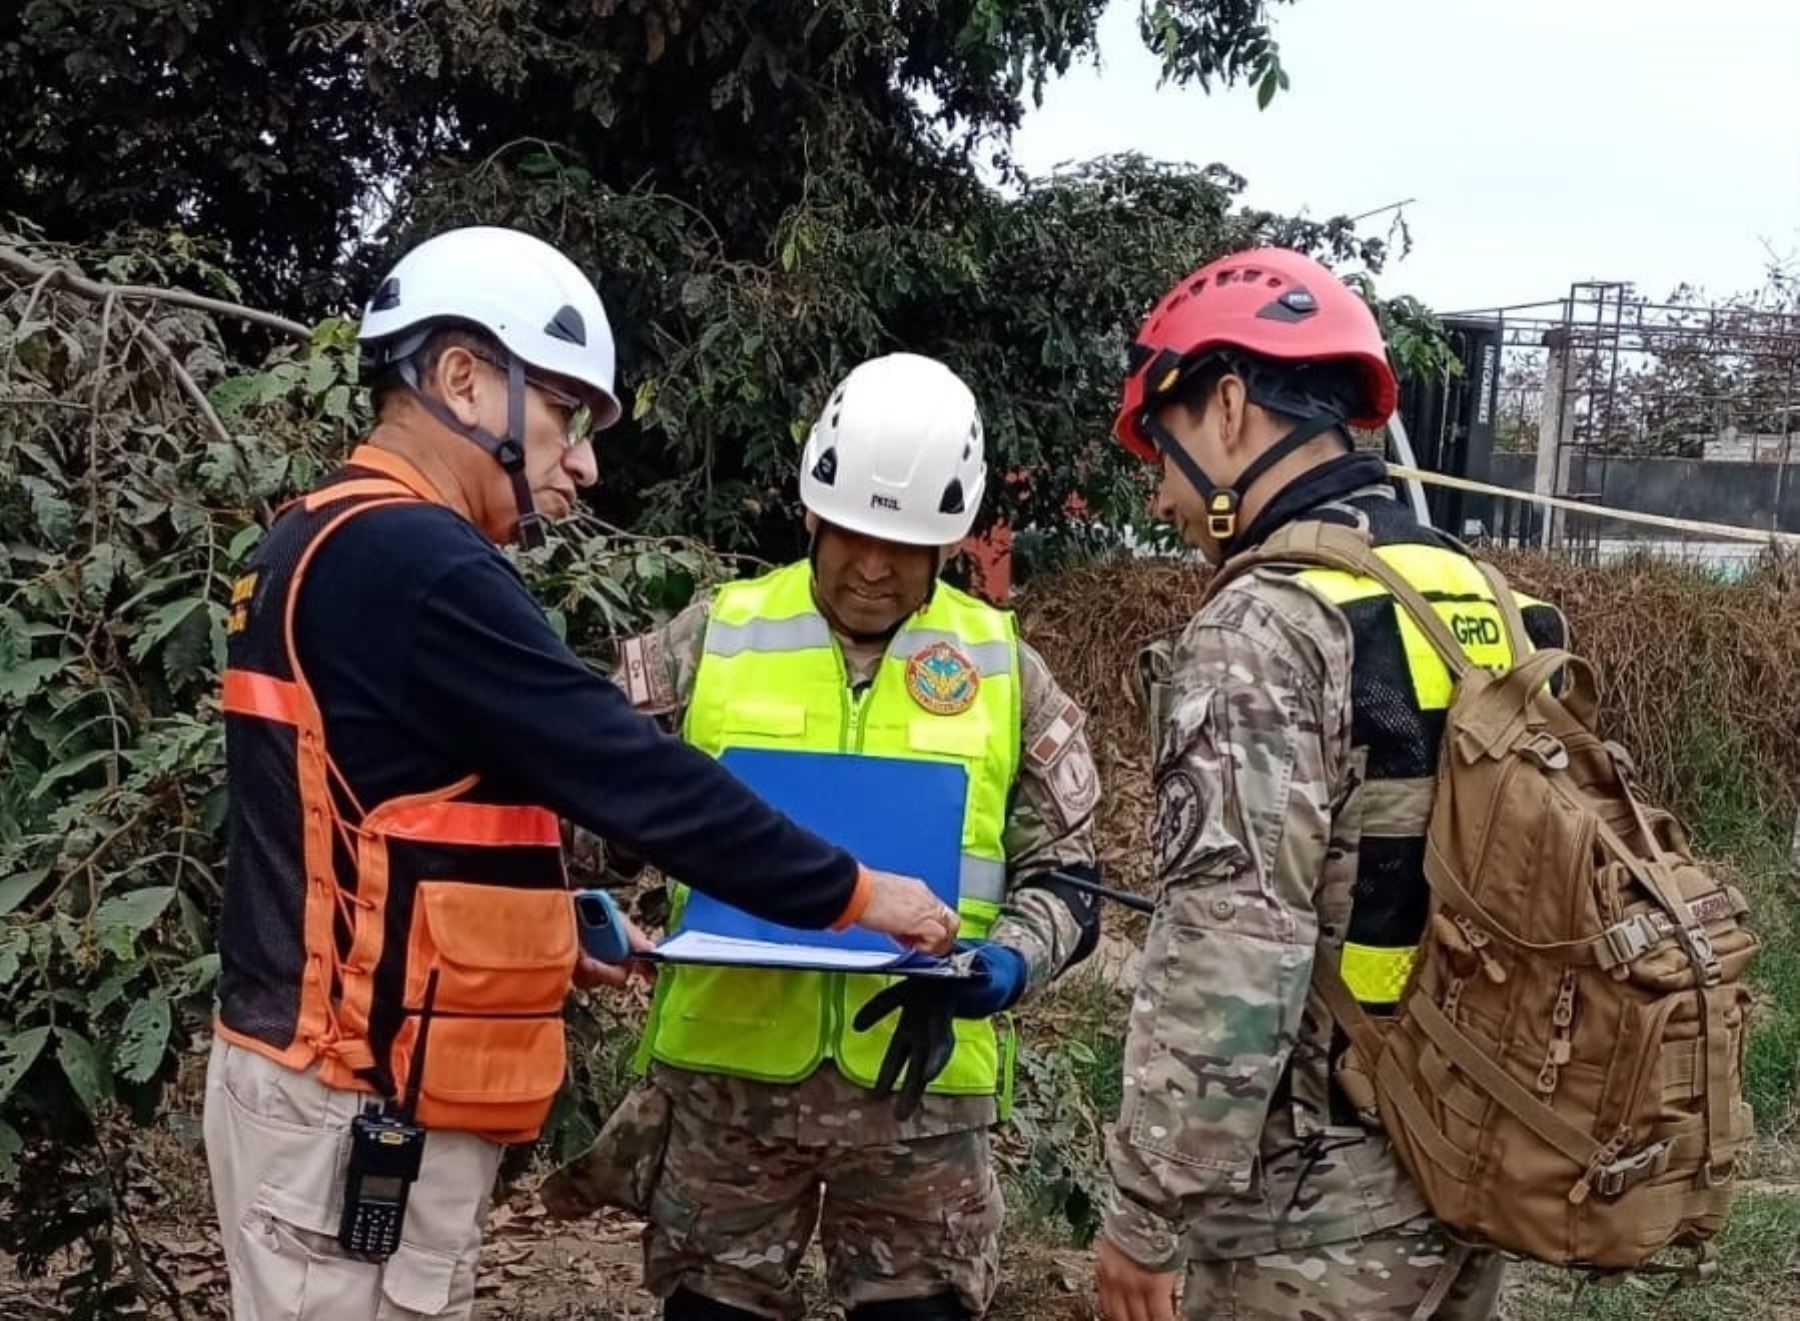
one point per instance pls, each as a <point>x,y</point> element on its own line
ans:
<point>1223,503</point>
<point>507,451</point>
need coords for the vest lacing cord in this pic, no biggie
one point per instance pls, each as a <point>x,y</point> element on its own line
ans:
<point>354,1053</point>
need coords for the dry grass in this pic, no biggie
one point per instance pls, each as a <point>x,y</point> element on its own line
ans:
<point>1676,651</point>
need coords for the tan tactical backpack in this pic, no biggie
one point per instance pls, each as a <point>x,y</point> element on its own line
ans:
<point>1563,1075</point>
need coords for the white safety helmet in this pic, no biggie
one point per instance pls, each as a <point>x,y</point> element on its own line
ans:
<point>897,454</point>
<point>546,315</point>
<point>519,289</point>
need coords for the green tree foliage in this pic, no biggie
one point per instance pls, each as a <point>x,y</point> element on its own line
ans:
<point>276,128</point>
<point>1030,296</point>
<point>139,462</point>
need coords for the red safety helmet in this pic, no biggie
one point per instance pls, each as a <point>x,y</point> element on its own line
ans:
<point>1270,303</point>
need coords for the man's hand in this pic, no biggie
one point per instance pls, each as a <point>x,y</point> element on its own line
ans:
<point>1130,1292</point>
<point>907,910</point>
<point>591,973</point>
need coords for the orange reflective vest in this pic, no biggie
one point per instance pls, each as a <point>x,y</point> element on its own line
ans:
<point>352,931</point>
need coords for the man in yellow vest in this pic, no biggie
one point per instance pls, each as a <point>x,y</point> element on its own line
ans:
<point>761,1083</point>
<point>1293,787</point>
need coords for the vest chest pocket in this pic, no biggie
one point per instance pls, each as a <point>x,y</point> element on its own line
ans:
<point>765,719</point>
<point>942,736</point>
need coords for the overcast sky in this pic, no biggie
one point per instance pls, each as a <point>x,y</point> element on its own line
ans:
<point>1655,141</point>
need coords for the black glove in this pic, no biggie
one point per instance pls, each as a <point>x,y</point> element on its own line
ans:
<point>924,1039</point>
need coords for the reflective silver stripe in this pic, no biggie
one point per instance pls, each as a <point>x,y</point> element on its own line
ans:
<point>982,879</point>
<point>992,659</point>
<point>801,633</point>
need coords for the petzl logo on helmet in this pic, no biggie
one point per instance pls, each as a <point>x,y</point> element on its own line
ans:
<point>879,501</point>
<point>942,679</point>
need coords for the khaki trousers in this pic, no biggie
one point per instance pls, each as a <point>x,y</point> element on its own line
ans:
<point>278,1142</point>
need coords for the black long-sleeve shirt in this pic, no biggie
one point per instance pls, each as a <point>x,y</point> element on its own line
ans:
<point>431,661</point>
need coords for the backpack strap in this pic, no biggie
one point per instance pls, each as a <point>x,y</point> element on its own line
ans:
<point>1510,614</point>
<point>1328,981</point>
<point>1334,546</point>
<point>1497,716</point>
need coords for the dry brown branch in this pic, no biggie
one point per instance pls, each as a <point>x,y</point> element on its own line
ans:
<point>100,289</point>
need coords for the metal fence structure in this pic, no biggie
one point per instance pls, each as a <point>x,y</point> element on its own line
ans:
<point>1606,391</point>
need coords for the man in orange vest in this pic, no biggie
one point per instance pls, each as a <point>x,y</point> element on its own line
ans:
<point>404,730</point>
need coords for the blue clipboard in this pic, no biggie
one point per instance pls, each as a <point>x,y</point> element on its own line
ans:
<point>894,814</point>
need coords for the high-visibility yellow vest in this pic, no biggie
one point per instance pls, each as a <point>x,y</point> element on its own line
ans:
<point>1400,692</point>
<point>771,676</point>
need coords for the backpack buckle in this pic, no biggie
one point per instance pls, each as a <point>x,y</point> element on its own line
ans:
<point>1630,939</point>
<point>1546,750</point>
<point>1700,950</point>
<point>1614,1178</point>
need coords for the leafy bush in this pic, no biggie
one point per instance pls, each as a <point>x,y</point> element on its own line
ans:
<point>140,458</point>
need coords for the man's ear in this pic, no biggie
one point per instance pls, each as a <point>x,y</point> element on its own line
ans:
<point>1231,402</point>
<point>456,379</point>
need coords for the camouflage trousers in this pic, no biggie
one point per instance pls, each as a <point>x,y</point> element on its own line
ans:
<point>1379,1278</point>
<point>732,1214</point>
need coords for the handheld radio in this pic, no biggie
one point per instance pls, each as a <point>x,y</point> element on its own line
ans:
<point>386,1150</point>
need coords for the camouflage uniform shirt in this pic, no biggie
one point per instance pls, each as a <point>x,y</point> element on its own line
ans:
<point>1048,825</point>
<point>1225,1146</point>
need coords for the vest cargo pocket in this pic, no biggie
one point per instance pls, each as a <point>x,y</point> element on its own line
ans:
<point>492,1076</point>
<point>495,949</point>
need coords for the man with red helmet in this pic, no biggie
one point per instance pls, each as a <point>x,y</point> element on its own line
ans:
<point>1294,754</point>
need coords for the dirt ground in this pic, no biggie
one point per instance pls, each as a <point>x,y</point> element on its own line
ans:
<point>536,1269</point>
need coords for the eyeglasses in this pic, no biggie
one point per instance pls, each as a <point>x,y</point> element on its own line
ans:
<point>577,415</point>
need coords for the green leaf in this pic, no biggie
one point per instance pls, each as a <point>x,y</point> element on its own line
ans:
<point>82,1067</point>
<point>239,546</point>
<point>21,681</point>
<point>55,519</point>
<point>99,573</point>
<point>68,770</point>
<point>15,638</point>
<point>109,992</point>
<point>14,888</point>
<point>143,1041</point>
<point>17,1055</point>
<point>234,394</point>
<point>1265,90</point>
<point>194,976</point>
<point>215,632</point>
<point>165,621</point>
<point>644,400</point>
<point>121,919</point>
<point>189,646</point>
<point>11,1144</point>
<point>320,373</point>
<point>13,945</point>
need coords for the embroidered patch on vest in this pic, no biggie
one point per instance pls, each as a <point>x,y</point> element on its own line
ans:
<point>942,679</point>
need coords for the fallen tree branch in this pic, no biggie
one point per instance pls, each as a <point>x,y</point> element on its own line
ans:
<point>15,260</point>
<point>189,386</point>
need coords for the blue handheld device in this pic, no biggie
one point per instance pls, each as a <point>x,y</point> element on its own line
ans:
<point>602,928</point>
